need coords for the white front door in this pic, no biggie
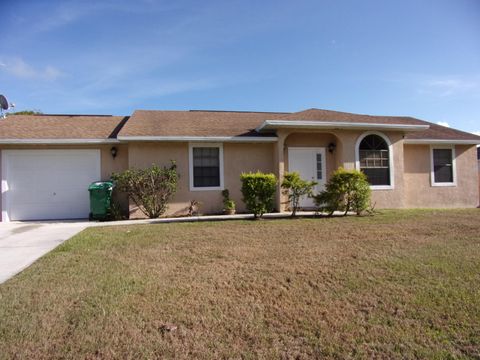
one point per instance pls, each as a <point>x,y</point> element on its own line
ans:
<point>47,184</point>
<point>310,164</point>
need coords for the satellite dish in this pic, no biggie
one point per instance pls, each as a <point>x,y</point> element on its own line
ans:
<point>4,103</point>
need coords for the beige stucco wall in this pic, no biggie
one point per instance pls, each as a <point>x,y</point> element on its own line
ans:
<point>411,169</point>
<point>238,158</point>
<point>389,198</point>
<point>420,193</point>
<point>108,163</point>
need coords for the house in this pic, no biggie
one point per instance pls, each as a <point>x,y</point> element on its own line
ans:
<point>478,160</point>
<point>48,161</point>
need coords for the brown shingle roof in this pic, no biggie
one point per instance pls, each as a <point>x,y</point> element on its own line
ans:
<point>439,132</point>
<point>338,116</point>
<point>195,123</point>
<point>435,131</point>
<point>233,123</point>
<point>60,126</point>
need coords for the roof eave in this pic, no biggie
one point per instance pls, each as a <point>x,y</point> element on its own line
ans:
<point>237,139</point>
<point>328,125</point>
<point>441,141</point>
<point>57,141</point>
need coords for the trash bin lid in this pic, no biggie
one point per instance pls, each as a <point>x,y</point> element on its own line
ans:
<point>101,185</point>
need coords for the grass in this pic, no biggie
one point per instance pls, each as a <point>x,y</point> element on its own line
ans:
<point>402,284</point>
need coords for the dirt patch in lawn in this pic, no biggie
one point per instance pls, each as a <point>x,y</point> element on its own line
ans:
<point>403,284</point>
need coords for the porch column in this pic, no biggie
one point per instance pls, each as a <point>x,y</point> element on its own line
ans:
<point>279,160</point>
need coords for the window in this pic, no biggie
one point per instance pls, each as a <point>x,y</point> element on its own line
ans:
<point>443,166</point>
<point>374,159</point>
<point>206,167</point>
<point>319,166</point>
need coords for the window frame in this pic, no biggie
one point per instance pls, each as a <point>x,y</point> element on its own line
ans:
<point>390,159</point>
<point>191,146</point>
<point>432,166</point>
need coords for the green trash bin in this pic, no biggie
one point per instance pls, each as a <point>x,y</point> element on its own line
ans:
<point>100,199</point>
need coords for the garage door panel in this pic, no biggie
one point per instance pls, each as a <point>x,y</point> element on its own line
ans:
<point>69,179</point>
<point>49,184</point>
<point>39,211</point>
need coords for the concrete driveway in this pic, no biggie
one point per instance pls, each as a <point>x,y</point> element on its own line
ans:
<point>21,243</point>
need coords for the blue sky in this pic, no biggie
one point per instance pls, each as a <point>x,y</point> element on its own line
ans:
<point>417,58</point>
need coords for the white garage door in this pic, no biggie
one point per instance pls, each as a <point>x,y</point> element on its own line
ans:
<point>47,184</point>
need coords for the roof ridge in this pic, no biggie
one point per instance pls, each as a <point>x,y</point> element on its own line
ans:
<point>242,111</point>
<point>357,114</point>
<point>217,111</point>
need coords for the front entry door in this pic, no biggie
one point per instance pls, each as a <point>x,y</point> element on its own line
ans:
<point>310,164</point>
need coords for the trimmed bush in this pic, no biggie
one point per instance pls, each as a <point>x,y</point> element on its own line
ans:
<point>347,190</point>
<point>228,204</point>
<point>295,187</point>
<point>258,190</point>
<point>150,189</point>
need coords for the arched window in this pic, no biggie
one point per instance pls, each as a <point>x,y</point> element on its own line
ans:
<point>374,159</point>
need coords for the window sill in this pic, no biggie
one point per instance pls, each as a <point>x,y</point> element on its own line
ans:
<point>444,184</point>
<point>216,188</point>
<point>381,187</point>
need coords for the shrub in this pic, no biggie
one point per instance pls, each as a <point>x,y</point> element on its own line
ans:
<point>346,190</point>
<point>116,213</point>
<point>360,200</point>
<point>258,190</point>
<point>228,204</point>
<point>150,189</point>
<point>295,187</point>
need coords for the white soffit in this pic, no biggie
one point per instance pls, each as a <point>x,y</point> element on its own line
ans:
<point>247,139</point>
<point>57,141</point>
<point>441,141</point>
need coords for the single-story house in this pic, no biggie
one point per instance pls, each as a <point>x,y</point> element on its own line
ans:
<point>48,161</point>
<point>478,160</point>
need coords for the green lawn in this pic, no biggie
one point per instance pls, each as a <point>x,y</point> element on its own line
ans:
<point>402,284</point>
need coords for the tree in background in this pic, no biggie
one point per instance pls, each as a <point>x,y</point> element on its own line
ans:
<point>27,112</point>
